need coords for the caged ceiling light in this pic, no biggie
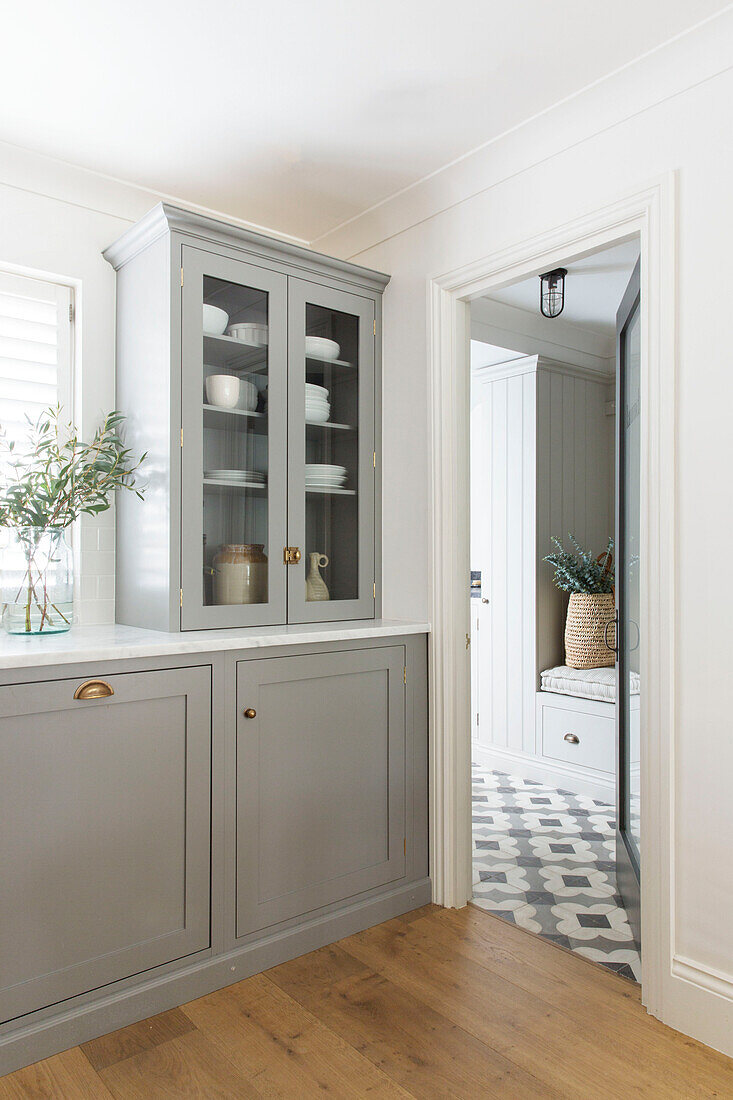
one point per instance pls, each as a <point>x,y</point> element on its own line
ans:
<point>552,292</point>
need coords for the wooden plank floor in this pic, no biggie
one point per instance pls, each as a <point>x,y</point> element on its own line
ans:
<point>438,1003</point>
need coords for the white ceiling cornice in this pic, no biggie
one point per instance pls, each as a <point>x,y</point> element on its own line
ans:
<point>701,53</point>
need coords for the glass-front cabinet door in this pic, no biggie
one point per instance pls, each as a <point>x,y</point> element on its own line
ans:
<point>331,459</point>
<point>234,443</point>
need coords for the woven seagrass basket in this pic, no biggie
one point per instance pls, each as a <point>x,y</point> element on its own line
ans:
<point>590,630</point>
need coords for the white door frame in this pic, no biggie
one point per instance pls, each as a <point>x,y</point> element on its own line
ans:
<point>651,214</point>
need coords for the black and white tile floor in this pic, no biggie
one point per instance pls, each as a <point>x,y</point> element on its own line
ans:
<point>544,859</point>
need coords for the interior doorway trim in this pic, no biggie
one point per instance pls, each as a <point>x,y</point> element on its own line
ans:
<point>651,214</point>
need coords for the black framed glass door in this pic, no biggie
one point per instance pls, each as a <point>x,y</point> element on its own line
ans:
<point>628,600</point>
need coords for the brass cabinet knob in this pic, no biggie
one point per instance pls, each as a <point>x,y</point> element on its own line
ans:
<point>296,555</point>
<point>94,689</point>
<point>571,739</point>
<point>250,712</point>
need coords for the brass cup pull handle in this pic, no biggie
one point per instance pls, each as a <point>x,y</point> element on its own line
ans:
<point>571,739</point>
<point>250,712</point>
<point>94,689</point>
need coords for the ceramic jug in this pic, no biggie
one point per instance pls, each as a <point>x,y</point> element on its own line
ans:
<point>315,586</point>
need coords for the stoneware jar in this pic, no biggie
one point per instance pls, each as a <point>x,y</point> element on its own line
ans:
<point>240,574</point>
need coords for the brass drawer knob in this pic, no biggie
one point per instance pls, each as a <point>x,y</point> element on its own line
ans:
<point>94,689</point>
<point>571,739</point>
<point>250,712</point>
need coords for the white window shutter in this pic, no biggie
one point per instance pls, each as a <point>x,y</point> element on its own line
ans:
<point>35,351</point>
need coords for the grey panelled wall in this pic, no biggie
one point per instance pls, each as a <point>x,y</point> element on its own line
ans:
<point>168,266</point>
<point>104,848</point>
<point>157,844</point>
<point>320,781</point>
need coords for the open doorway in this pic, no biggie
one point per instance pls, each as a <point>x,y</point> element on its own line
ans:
<point>555,743</point>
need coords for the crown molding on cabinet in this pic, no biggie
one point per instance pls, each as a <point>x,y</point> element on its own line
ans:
<point>530,364</point>
<point>164,218</point>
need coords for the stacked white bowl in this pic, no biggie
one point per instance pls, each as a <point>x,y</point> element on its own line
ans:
<point>317,407</point>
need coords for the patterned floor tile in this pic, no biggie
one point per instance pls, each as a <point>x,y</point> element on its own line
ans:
<point>544,859</point>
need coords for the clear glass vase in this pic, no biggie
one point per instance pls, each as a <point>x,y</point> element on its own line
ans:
<point>37,578</point>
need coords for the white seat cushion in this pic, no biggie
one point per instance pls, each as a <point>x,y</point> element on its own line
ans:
<point>585,683</point>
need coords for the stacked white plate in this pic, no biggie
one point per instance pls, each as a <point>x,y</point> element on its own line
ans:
<point>251,477</point>
<point>321,475</point>
<point>317,407</point>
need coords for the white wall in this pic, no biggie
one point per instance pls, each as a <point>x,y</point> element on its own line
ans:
<point>672,112</point>
<point>57,219</point>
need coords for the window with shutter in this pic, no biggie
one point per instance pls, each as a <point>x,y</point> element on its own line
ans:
<point>35,351</point>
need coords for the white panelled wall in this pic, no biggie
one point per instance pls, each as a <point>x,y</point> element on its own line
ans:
<point>541,465</point>
<point>672,112</point>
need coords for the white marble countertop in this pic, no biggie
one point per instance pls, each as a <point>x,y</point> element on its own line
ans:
<point>105,643</point>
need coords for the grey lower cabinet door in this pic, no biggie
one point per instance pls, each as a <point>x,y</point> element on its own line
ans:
<point>105,838</point>
<point>320,781</point>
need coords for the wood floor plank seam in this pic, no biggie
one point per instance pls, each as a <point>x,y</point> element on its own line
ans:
<point>407,1093</point>
<point>489,1047</point>
<point>588,1034</point>
<point>318,1023</point>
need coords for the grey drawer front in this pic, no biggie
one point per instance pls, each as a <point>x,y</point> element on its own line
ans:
<point>104,845</point>
<point>320,781</point>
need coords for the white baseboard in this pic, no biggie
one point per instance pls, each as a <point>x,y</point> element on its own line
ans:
<point>584,781</point>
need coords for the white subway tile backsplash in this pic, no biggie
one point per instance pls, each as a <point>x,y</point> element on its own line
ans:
<point>106,538</point>
<point>105,588</point>
<point>94,541</point>
<point>88,587</point>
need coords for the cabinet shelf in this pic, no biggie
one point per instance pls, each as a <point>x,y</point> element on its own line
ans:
<point>238,420</point>
<point>322,362</point>
<point>330,425</point>
<point>331,492</point>
<point>225,351</point>
<point>239,486</point>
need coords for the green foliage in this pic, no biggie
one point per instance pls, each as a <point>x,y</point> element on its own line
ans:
<point>58,477</point>
<point>581,571</point>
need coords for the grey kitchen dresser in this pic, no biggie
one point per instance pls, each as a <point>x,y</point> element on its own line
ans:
<point>236,773</point>
<point>182,810</point>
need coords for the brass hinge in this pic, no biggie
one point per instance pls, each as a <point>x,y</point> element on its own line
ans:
<point>71,311</point>
<point>476,717</point>
<point>181,436</point>
<point>181,276</point>
<point>374,454</point>
<point>375,326</point>
<point>181,597</point>
<point>404,674</point>
<point>468,640</point>
<point>374,590</point>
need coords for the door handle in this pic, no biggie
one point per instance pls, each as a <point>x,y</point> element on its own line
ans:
<point>611,622</point>
<point>93,689</point>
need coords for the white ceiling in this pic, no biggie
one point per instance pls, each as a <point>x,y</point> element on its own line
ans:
<point>594,287</point>
<point>298,115</point>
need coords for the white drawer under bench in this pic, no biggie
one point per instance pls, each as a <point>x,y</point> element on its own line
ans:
<point>576,738</point>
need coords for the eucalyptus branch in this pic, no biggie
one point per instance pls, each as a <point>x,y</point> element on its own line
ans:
<point>581,571</point>
<point>59,477</point>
